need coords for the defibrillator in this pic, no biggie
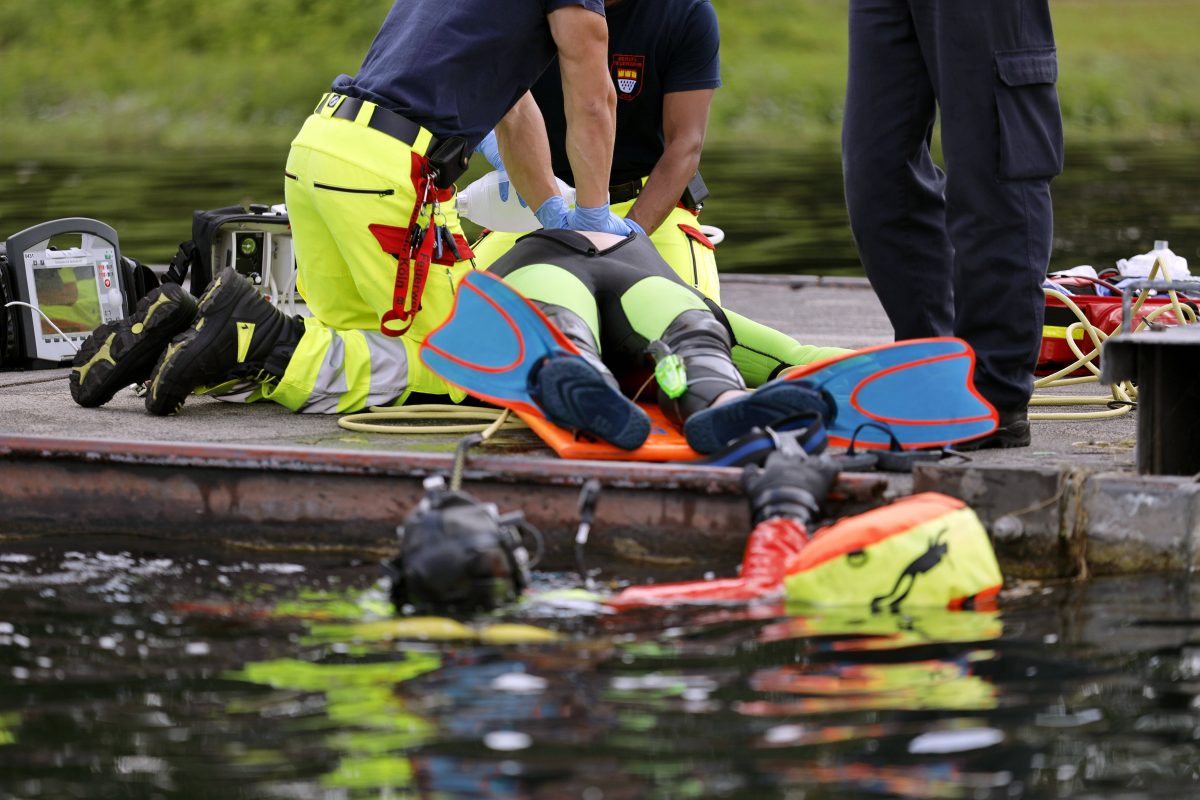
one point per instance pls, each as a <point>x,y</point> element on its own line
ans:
<point>59,281</point>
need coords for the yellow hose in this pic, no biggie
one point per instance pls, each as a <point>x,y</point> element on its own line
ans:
<point>497,419</point>
<point>1122,396</point>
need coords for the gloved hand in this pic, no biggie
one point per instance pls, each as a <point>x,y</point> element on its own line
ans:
<point>489,148</point>
<point>599,219</point>
<point>553,213</point>
<point>790,484</point>
<point>634,227</point>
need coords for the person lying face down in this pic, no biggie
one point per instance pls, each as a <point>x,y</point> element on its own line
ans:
<point>616,299</point>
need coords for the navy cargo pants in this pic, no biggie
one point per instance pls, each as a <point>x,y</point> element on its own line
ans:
<point>961,252</point>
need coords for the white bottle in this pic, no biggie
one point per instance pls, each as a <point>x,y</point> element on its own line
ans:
<point>480,202</point>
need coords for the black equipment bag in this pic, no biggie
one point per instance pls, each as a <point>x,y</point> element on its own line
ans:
<point>195,256</point>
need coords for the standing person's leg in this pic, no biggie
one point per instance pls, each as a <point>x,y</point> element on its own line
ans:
<point>893,189</point>
<point>1002,136</point>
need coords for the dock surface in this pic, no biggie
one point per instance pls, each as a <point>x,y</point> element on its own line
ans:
<point>1071,504</point>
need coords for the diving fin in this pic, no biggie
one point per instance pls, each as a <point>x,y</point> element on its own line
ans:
<point>919,390</point>
<point>491,341</point>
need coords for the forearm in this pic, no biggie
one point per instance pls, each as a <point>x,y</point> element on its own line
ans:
<point>589,100</point>
<point>525,151</point>
<point>685,122</point>
<point>666,184</point>
<point>591,128</point>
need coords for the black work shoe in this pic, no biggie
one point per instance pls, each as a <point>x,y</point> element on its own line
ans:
<point>120,353</point>
<point>1012,432</point>
<point>236,334</point>
<point>575,396</point>
<point>709,430</point>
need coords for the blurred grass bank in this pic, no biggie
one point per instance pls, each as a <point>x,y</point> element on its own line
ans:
<point>136,75</point>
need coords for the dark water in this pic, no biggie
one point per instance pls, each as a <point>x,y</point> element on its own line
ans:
<point>783,210</point>
<point>127,671</point>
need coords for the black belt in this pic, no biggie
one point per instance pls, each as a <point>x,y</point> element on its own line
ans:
<point>383,120</point>
<point>693,197</point>
<point>623,192</point>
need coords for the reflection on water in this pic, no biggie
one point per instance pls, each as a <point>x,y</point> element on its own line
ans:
<point>129,673</point>
<point>782,210</point>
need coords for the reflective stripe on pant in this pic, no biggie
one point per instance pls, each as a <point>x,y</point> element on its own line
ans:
<point>690,259</point>
<point>343,177</point>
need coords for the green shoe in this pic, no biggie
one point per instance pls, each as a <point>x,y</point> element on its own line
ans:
<point>124,352</point>
<point>236,335</point>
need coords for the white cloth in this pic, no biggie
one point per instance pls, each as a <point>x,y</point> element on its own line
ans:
<point>1139,266</point>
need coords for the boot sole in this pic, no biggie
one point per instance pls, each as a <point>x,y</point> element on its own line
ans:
<point>98,372</point>
<point>1013,435</point>
<point>180,353</point>
<point>575,396</point>
<point>710,430</point>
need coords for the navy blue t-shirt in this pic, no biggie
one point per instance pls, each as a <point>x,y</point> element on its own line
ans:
<point>457,66</point>
<point>655,47</point>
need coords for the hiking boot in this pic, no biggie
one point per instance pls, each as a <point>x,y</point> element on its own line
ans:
<point>236,334</point>
<point>1012,432</point>
<point>124,352</point>
<point>575,395</point>
<point>709,430</point>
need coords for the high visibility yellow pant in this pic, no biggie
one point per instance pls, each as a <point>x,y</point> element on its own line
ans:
<point>344,183</point>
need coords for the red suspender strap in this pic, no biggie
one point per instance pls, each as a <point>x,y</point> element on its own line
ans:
<point>398,242</point>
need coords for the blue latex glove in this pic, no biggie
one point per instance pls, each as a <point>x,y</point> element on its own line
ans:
<point>553,213</point>
<point>598,219</point>
<point>489,148</point>
<point>634,227</point>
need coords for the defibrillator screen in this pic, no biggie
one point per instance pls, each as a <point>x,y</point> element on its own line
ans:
<point>70,297</point>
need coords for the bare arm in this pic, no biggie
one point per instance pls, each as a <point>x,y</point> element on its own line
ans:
<point>685,121</point>
<point>525,150</point>
<point>589,100</point>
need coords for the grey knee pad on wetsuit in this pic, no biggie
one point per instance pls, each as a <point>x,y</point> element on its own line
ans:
<point>577,331</point>
<point>703,344</point>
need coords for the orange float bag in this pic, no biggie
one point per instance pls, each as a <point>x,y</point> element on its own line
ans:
<point>926,550</point>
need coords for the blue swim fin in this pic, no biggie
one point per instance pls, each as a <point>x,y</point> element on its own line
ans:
<point>920,389</point>
<point>491,341</point>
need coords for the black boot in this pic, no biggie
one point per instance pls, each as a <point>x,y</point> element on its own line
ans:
<point>124,352</point>
<point>580,393</point>
<point>1013,431</point>
<point>236,334</point>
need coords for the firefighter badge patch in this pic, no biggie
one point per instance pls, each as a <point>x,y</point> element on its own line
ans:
<point>627,72</point>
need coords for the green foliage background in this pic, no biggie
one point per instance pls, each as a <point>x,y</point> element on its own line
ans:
<point>110,75</point>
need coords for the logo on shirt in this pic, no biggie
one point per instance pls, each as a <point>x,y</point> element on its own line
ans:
<point>627,72</point>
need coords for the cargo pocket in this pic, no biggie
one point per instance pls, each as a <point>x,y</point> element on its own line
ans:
<point>1031,133</point>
